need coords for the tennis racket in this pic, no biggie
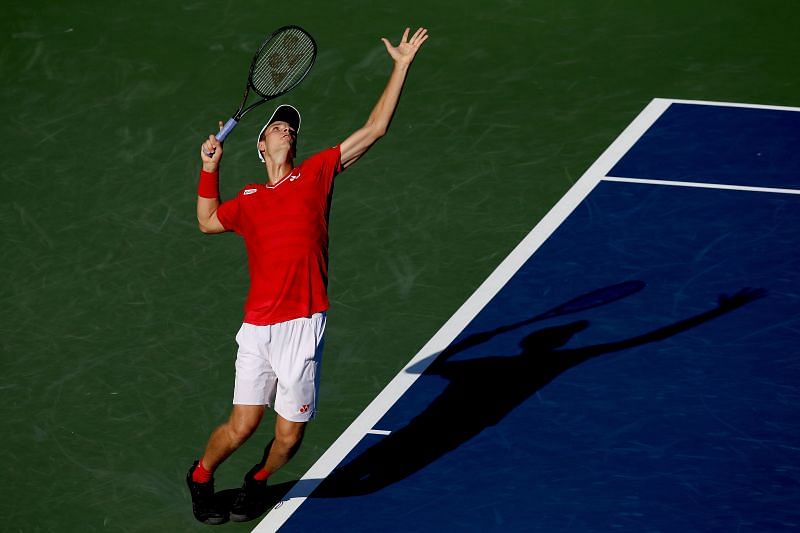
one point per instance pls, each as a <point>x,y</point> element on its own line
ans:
<point>281,62</point>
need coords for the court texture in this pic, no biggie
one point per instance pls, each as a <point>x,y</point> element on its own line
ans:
<point>564,286</point>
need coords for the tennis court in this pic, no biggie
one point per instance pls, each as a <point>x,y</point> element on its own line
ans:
<point>118,316</point>
<point>663,400</point>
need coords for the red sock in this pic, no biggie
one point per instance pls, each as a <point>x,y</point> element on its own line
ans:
<point>261,475</point>
<point>200,474</point>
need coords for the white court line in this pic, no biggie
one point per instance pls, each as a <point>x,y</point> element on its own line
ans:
<point>365,422</point>
<point>701,185</point>
<point>734,104</point>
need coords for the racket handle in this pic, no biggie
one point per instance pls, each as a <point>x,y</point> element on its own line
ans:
<point>226,129</point>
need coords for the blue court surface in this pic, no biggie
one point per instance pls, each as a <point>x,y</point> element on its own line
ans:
<point>632,365</point>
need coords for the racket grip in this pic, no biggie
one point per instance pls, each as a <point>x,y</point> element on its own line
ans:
<point>226,129</point>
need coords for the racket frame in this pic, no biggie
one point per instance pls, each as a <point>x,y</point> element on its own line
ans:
<point>241,111</point>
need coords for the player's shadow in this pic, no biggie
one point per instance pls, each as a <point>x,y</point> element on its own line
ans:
<point>480,392</point>
<point>275,493</point>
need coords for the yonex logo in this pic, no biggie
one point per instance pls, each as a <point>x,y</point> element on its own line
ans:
<point>304,409</point>
<point>292,178</point>
<point>250,191</point>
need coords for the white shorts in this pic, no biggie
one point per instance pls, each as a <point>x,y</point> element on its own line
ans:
<point>279,366</point>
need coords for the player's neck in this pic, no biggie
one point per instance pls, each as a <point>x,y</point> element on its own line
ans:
<point>277,168</point>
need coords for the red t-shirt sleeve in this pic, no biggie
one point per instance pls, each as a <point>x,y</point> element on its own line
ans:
<point>228,214</point>
<point>327,163</point>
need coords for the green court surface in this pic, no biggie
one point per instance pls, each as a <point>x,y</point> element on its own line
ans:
<point>117,316</point>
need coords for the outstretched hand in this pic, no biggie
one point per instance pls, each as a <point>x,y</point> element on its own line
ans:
<point>404,52</point>
<point>740,298</point>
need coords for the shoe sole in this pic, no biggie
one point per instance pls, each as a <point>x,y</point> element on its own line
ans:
<point>213,521</point>
<point>243,517</point>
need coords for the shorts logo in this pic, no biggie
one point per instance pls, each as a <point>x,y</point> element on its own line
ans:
<point>304,409</point>
<point>249,191</point>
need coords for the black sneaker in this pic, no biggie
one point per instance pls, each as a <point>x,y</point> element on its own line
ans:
<point>251,501</point>
<point>204,505</point>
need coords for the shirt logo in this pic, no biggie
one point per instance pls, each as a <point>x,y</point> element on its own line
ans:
<point>292,177</point>
<point>250,191</point>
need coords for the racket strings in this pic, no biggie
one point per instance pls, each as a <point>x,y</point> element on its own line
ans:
<point>282,62</point>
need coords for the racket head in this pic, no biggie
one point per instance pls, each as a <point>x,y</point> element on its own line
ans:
<point>282,61</point>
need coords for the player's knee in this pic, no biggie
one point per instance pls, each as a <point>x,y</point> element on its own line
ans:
<point>240,430</point>
<point>289,439</point>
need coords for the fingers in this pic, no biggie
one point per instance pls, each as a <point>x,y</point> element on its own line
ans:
<point>211,148</point>
<point>419,37</point>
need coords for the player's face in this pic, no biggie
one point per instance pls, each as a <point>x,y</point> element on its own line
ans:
<point>278,136</point>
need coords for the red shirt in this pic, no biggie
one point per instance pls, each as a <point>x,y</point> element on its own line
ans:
<point>285,230</point>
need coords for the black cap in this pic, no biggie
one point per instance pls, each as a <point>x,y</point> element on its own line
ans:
<point>283,113</point>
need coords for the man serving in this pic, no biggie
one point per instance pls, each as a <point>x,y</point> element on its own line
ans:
<point>284,223</point>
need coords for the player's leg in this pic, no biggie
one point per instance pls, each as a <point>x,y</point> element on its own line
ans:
<point>298,372</point>
<point>288,437</point>
<point>229,436</point>
<point>224,441</point>
<point>296,347</point>
<point>254,388</point>
<point>253,499</point>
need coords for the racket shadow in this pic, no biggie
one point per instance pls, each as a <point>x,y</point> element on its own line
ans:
<point>584,302</point>
<point>507,380</point>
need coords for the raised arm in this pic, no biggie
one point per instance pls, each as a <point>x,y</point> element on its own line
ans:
<point>208,188</point>
<point>378,122</point>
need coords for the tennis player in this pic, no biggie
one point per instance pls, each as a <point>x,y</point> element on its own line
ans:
<point>284,223</point>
